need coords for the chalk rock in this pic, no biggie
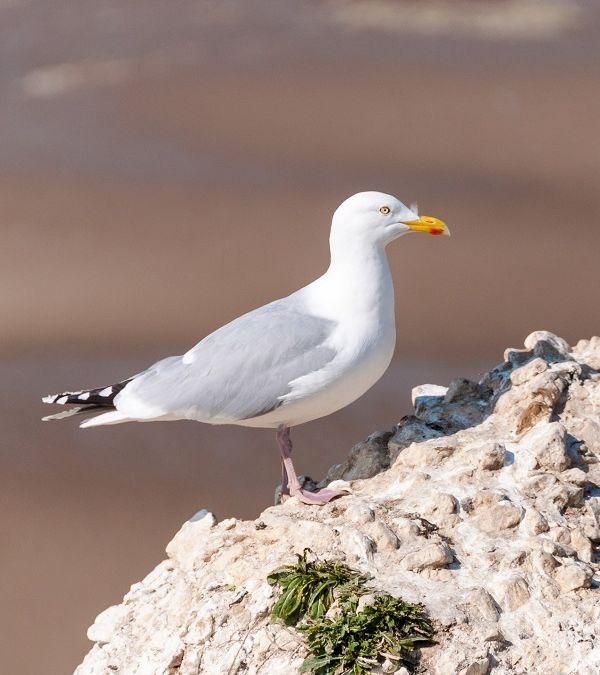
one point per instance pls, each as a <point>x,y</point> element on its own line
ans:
<point>489,456</point>
<point>406,528</point>
<point>480,667</point>
<point>481,505</point>
<point>482,605</point>
<point>430,556</point>
<point>106,623</point>
<point>534,522</point>
<point>575,476</point>
<point>188,542</point>
<point>499,516</point>
<point>571,576</point>
<point>443,504</point>
<point>544,447</point>
<point>360,513</point>
<point>358,546</point>
<point>536,402</point>
<point>582,545</point>
<point>383,536</point>
<point>492,634</point>
<point>514,592</point>
<point>528,371</point>
<point>430,453</point>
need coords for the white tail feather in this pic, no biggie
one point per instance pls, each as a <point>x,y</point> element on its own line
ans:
<point>113,417</point>
<point>65,413</point>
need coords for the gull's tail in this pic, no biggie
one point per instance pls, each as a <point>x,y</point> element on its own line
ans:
<point>100,400</point>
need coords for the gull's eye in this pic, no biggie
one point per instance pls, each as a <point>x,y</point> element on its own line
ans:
<point>384,210</point>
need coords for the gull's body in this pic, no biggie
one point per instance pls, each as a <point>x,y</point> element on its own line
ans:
<point>294,360</point>
<point>343,336</point>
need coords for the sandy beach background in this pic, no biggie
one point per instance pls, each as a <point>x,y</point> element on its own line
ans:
<point>165,166</point>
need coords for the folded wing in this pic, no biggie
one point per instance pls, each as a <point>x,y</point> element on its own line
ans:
<point>238,372</point>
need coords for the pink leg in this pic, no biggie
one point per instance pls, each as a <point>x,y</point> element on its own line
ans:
<point>290,485</point>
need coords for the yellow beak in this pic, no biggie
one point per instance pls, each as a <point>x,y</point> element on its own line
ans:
<point>428,224</point>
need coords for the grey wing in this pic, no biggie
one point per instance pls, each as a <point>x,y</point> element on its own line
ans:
<point>241,370</point>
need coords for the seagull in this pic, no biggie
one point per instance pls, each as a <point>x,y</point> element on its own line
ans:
<point>291,361</point>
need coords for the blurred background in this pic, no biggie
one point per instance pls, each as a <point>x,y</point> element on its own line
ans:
<point>166,165</point>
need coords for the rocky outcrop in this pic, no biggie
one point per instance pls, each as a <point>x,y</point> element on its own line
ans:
<point>484,505</point>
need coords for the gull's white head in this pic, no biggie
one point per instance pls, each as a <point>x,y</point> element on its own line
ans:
<point>377,218</point>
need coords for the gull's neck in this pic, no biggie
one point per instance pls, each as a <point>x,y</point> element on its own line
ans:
<point>357,282</point>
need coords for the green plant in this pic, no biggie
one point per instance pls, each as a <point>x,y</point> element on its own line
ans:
<point>308,587</point>
<point>351,642</point>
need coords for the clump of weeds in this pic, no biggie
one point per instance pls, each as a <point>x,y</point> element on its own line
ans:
<point>354,636</point>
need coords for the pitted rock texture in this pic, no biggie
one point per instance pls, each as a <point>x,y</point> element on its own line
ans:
<point>484,505</point>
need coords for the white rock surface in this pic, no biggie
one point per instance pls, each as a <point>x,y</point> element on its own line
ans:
<point>486,508</point>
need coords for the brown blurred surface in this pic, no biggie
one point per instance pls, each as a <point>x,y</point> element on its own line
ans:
<point>166,167</point>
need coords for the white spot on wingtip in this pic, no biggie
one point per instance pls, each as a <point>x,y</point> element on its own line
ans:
<point>84,396</point>
<point>106,392</point>
<point>49,399</point>
<point>62,400</point>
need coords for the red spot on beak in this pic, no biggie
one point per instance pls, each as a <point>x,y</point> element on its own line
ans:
<point>435,231</point>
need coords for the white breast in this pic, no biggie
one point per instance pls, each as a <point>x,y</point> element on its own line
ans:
<point>361,301</point>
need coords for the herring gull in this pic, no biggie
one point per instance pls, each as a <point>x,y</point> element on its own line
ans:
<point>292,361</point>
